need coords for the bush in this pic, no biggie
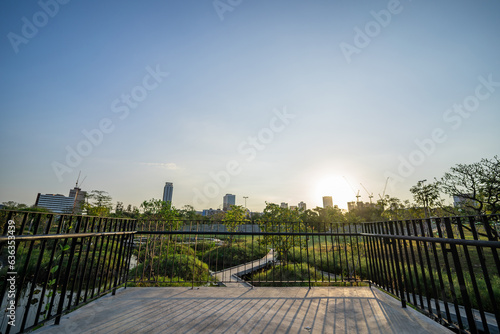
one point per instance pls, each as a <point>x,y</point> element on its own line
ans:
<point>203,246</point>
<point>182,266</point>
<point>163,249</point>
<point>292,274</point>
<point>229,256</point>
<point>333,262</point>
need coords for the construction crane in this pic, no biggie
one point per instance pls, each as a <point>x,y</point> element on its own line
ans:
<point>77,191</point>
<point>385,188</point>
<point>354,191</point>
<point>370,196</point>
<point>78,179</point>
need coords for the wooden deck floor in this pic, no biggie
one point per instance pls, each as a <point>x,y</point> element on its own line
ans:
<point>245,310</point>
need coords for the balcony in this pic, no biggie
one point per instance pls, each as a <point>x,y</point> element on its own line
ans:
<point>177,276</point>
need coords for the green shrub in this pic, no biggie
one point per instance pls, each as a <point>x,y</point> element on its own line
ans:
<point>292,274</point>
<point>164,248</point>
<point>182,266</point>
<point>331,262</point>
<point>229,256</point>
<point>203,246</point>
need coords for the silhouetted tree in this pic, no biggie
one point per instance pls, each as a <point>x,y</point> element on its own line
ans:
<point>476,184</point>
<point>426,195</point>
<point>99,204</point>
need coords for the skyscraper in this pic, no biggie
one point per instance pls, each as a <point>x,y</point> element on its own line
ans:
<point>79,196</point>
<point>228,200</point>
<point>327,202</point>
<point>168,191</point>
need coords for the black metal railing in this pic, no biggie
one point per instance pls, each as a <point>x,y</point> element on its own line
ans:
<point>264,254</point>
<point>448,268</point>
<point>53,263</point>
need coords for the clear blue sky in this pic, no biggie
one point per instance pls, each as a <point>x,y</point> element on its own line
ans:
<point>355,85</point>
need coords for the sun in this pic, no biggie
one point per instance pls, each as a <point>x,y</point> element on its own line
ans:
<point>335,186</point>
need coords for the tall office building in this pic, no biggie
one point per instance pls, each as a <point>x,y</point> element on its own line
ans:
<point>302,206</point>
<point>79,195</point>
<point>168,191</point>
<point>62,204</point>
<point>327,202</point>
<point>228,200</point>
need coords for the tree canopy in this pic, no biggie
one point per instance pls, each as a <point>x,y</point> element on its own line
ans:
<point>426,195</point>
<point>98,203</point>
<point>476,185</point>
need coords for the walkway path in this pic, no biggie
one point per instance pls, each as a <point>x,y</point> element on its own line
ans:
<point>229,277</point>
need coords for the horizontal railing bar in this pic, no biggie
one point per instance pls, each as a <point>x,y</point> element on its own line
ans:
<point>63,236</point>
<point>55,214</point>
<point>247,233</point>
<point>256,282</point>
<point>483,243</point>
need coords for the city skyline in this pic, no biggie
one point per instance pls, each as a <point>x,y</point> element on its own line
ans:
<point>227,199</point>
<point>282,101</point>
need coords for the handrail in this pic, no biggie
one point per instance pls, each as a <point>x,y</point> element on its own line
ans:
<point>4,238</point>
<point>483,243</point>
<point>248,233</point>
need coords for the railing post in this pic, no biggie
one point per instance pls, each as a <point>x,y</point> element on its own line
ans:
<point>481,256</point>
<point>307,254</point>
<point>369,255</point>
<point>60,306</point>
<point>130,243</point>
<point>117,269</point>
<point>461,280</point>
<point>398,269</point>
<point>194,258</point>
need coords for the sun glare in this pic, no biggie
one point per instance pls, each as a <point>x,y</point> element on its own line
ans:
<point>337,187</point>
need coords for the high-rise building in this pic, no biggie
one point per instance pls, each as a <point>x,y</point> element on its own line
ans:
<point>284,205</point>
<point>228,200</point>
<point>78,194</point>
<point>62,204</point>
<point>360,205</point>
<point>327,202</point>
<point>210,212</point>
<point>168,191</point>
<point>302,206</point>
